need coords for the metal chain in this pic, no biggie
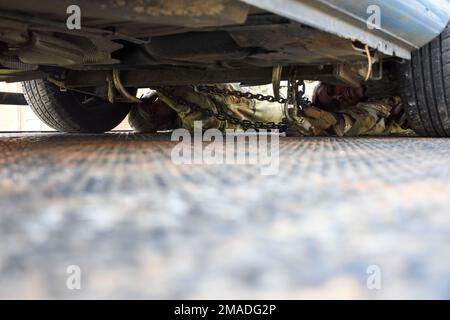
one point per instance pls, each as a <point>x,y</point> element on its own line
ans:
<point>301,103</point>
<point>224,116</point>
<point>257,125</point>
<point>211,90</point>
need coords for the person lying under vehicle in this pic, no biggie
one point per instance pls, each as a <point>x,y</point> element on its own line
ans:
<point>335,110</point>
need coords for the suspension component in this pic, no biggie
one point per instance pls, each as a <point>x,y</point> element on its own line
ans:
<point>276,80</point>
<point>121,88</point>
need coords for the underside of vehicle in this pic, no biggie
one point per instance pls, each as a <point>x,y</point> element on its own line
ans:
<point>146,43</point>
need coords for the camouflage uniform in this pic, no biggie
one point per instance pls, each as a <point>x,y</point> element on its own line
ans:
<point>238,107</point>
<point>369,118</point>
<point>373,118</point>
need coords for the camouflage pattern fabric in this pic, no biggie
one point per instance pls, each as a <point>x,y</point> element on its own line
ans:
<point>369,118</point>
<point>241,108</point>
<point>373,118</point>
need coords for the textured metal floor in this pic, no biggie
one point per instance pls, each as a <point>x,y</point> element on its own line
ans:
<point>141,227</point>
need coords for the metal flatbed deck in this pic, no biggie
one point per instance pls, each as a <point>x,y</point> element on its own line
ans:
<point>140,226</point>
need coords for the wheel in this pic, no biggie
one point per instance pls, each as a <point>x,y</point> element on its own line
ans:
<point>425,88</point>
<point>141,121</point>
<point>72,111</point>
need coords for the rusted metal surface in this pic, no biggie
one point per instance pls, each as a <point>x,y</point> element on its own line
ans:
<point>292,43</point>
<point>192,13</point>
<point>140,226</point>
<point>190,76</point>
<point>405,26</point>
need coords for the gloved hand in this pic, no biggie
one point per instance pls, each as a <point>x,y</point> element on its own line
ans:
<point>320,120</point>
<point>298,126</point>
<point>314,121</point>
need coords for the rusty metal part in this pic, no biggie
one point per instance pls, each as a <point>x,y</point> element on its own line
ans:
<point>56,82</point>
<point>350,74</point>
<point>10,75</point>
<point>11,62</point>
<point>68,50</point>
<point>192,13</point>
<point>15,28</point>
<point>262,41</point>
<point>387,88</point>
<point>119,86</point>
<point>276,80</point>
<point>378,69</point>
<point>348,19</point>
<point>110,89</point>
<point>105,93</point>
<point>13,32</point>
<point>369,63</point>
<point>173,76</point>
<point>292,43</point>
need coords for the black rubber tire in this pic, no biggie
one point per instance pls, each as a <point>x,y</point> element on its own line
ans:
<point>425,88</point>
<point>141,122</point>
<point>63,111</point>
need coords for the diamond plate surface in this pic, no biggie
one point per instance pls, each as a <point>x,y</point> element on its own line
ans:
<point>140,226</point>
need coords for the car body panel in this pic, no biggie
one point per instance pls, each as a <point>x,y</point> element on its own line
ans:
<point>405,25</point>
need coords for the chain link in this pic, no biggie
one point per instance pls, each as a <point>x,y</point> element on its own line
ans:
<point>224,116</point>
<point>211,90</point>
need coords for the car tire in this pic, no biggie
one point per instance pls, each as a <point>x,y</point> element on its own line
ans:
<point>425,88</point>
<point>72,111</point>
<point>140,122</point>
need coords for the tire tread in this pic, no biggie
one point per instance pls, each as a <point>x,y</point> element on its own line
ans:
<point>62,112</point>
<point>425,87</point>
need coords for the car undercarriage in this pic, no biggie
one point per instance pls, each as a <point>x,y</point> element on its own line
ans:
<point>107,49</point>
<point>233,42</point>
